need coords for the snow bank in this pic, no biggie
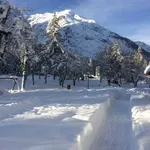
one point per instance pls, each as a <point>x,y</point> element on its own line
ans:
<point>140,101</point>
<point>110,127</point>
<point>87,138</point>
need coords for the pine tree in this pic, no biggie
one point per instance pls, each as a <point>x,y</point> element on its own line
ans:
<point>53,28</point>
<point>109,61</point>
<point>133,67</point>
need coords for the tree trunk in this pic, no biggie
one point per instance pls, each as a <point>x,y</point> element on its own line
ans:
<point>45,77</point>
<point>39,75</point>
<point>78,79</point>
<point>88,83</point>
<point>33,81</point>
<point>120,80</point>
<point>82,78</point>
<point>24,78</point>
<point>74,81</point>
<point>63,81</point>
<point>14,84</point>
<point>101,79</point>
<point>119,83</point>
<point>24,74</point>
<point>60,81</point>
<point>108,80</point>
<point>54,75</point>
<point>135,83</point>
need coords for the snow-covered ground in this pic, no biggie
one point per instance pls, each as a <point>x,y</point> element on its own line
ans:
<point>48,117</point>
<point>140,101</point>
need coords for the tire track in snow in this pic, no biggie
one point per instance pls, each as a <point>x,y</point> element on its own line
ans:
<point>111,126</point>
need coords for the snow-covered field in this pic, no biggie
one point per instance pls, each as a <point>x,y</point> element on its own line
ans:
<point>48,117</point>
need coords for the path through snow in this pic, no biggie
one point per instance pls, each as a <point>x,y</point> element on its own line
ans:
<point>111,126</point>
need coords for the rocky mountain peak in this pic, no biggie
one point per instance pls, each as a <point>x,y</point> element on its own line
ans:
<point>79,34</point>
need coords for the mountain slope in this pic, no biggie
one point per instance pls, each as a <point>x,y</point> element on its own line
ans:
<point>143,45</point>
<point>79,34</point>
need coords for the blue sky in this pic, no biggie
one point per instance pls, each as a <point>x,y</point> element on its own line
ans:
<point>129,18</point>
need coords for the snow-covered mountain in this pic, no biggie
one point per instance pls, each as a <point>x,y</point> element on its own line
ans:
<point>79,34</point>
<point>143,45</point>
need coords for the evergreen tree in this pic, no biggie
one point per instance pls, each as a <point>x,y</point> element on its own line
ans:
<point>109,61</point>
<point>133,67</point>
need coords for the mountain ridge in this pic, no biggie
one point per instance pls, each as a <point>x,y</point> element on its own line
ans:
<point>143,45</point>
<point>81,35</point>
